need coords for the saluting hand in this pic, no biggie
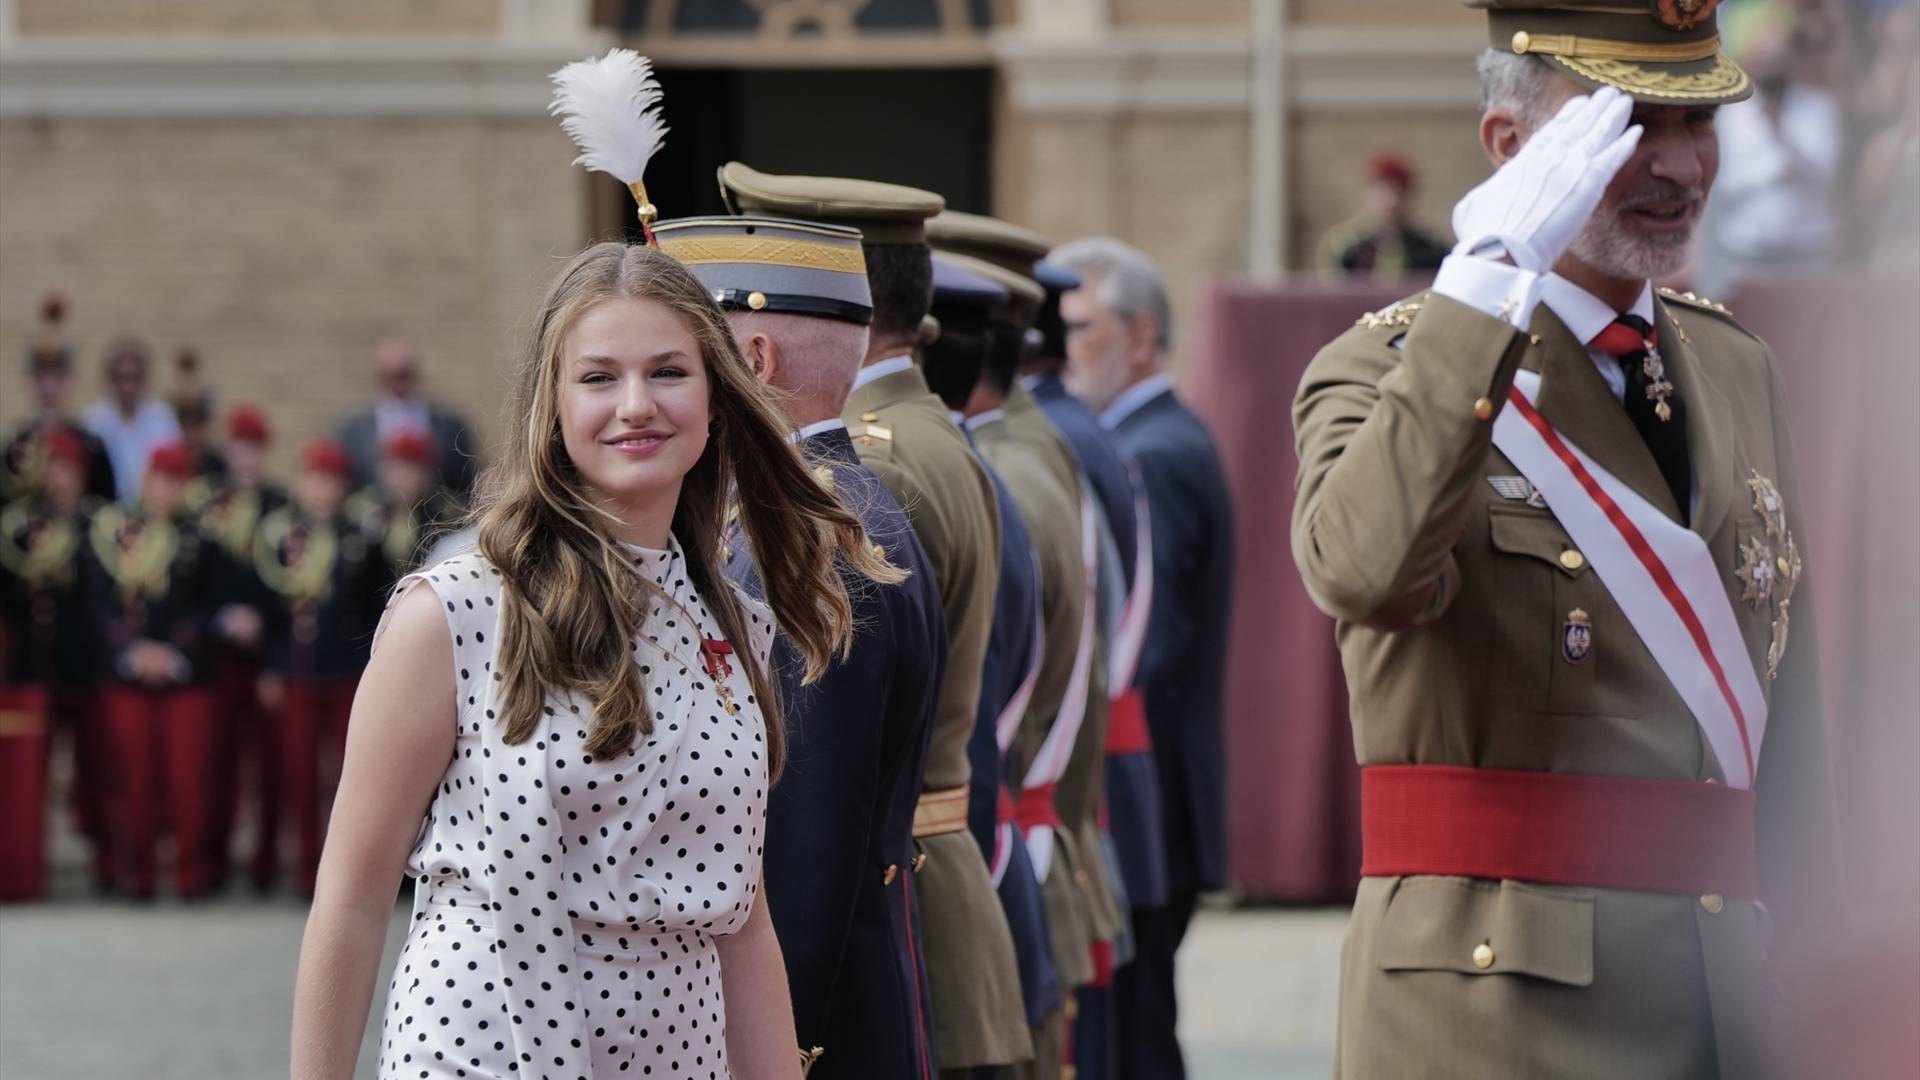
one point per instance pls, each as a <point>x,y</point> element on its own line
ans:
<point>1534,205</point>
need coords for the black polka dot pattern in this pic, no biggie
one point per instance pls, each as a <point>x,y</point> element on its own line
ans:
<point>565,905</point>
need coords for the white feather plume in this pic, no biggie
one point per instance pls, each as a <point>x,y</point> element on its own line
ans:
<point>611,108</point>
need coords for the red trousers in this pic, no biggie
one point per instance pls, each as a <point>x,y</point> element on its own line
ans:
<point>313,739</point>
<point>23,792</point>
<point>161,756</point>
<point>247,776</point>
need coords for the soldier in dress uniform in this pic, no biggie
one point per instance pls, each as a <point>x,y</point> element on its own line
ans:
<point>902,432</point>
<point>404,511</point>
<point>953,353</point>
<point>229,510</point>
<point>1132,819</point>
<point>839,846</point>
<point>1553,510</point>
<point>50,655</point>
<point>328,582</point>
<point>1382,241</point>
<point>49,378</point>
<point>154,582</point>
<point>1118,333</point>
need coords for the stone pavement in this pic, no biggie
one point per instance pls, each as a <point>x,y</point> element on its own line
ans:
<point>168,991</point>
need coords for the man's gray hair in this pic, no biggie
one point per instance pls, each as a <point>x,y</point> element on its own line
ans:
<point>1516,82</point>
<point>1130,282</point>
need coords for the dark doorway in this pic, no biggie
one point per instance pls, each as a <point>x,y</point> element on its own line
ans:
<point>925,127</point>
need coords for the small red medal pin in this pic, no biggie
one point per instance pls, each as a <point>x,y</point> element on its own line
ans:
<point>715,652</point>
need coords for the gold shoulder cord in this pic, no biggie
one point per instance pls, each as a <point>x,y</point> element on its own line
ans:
<point>45,559</point>
<point>310,575</point>
<point>141,568</point>
<point>808,1057</point>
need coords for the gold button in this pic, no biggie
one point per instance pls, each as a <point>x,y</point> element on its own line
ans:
<point>756,300</point>
<point>1533,339</point>
<point>919,862</point>
<point>1521,41</point>
<point>1483,956</point>
<point>1714,903</point>
<point>893,871</point>
<point>1483,409</point>
<point>1572,559</point>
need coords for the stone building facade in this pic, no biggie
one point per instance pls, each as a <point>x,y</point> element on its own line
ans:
<point>278,184</point>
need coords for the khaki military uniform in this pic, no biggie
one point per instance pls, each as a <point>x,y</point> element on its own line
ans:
<point>1083,785</point>
<point>1452,601</point>
<point>902,432</point>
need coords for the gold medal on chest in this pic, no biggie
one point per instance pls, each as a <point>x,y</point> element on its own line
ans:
<point>1769,568</point>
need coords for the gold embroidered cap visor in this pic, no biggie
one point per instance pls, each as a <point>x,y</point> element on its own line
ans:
<point>770,264</point>
<point>1661,52</point>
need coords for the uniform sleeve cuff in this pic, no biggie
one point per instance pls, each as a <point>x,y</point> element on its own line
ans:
<point>1501,290</point>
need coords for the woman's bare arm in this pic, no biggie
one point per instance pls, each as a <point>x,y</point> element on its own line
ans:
<point>399,741</point>
<point>761,1044</point>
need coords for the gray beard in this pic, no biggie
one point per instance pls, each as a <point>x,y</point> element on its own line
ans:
<point>1609,246</point>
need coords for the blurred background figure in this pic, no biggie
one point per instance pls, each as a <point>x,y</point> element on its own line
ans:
<point>153,595</point>
<point>49,379</point>
<point>192,401</point>
<point>402,409</point>
<point>1382,241</point>
<point>405,511</point>
<point>1774,209</point>
<point>128,419</point>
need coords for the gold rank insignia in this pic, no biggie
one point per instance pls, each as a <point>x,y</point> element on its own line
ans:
<point>1696,299</point>
<point>1397,315</point>
<point>1770,567</point>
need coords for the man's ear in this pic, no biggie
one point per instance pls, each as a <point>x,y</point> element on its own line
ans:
<point>1143,338</point>
<point>763,355</point>
<point>1501,135</point>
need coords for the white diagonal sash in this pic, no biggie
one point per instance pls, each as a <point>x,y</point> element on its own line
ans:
<point>1051,762</point>
<point>1660,573</point>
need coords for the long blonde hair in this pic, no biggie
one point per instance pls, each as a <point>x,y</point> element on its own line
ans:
<point>573,602</point>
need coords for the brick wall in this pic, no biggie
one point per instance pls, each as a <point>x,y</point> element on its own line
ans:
<point>284,248</point>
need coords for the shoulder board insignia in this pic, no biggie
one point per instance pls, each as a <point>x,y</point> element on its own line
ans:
<point>1395,315</point>
<point>869,417</point>
<point>1695,300</point>
<point>870,434</point>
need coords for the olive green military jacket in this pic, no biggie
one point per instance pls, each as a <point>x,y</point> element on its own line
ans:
<point>1083,786</point>
<point>1452,600</point>
<point>903,433</point>
<point>1052,514</point>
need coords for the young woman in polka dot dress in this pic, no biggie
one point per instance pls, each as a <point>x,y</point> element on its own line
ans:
<point>566,736</point>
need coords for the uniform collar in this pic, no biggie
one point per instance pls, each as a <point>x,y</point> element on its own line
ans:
<point>880,369</point>
<point>1135,397</point>
<point>1586,314</point>
<point>815,428</point>
<point>983,418</point>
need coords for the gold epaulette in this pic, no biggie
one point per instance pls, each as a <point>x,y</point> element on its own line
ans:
<point>869,431</point>
<point>1696,301</point>
<point>1398,315</point>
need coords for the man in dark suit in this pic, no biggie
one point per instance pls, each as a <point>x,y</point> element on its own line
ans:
<point>402,410</point>
<point>1118,331</point>
<point>840,851</point>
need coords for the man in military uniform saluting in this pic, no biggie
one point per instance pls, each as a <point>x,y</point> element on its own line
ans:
<point>839,845</point>
<point>1553,510</point>
<point>903,434</point>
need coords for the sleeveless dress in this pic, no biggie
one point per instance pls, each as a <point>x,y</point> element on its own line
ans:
<point>565,906</point>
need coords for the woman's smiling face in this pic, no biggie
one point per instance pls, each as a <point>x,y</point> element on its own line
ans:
<point>633,400</point>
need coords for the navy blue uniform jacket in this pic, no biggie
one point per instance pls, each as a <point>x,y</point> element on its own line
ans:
<point>1183,665</point>
<point>841,813</point>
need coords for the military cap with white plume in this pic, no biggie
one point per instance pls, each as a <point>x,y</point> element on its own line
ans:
<point>611,108</point>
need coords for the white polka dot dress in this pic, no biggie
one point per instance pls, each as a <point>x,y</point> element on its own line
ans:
<point>566,906</point>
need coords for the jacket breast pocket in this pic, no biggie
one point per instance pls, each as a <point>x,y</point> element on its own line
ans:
<point>1475,927</point>
<point>1546,655</point>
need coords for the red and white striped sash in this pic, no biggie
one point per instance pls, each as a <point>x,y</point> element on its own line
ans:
<point>1660,573</point>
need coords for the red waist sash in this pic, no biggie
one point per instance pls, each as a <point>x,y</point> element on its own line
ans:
<point>1677,836</point>
<point>1127,725</point>
<point>1036,808</point>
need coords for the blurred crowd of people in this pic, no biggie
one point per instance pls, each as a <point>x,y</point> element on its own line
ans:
<point>180,630</point>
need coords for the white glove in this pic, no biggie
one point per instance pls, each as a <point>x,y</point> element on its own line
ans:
<point>1535,204</point>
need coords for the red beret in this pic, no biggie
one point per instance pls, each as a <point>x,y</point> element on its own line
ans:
<point>247,423</point>
<point>172,459</point>
<point>325,455</point>
<point>1389,167</point>
<point>408,446</point>
<point>66,446</point>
